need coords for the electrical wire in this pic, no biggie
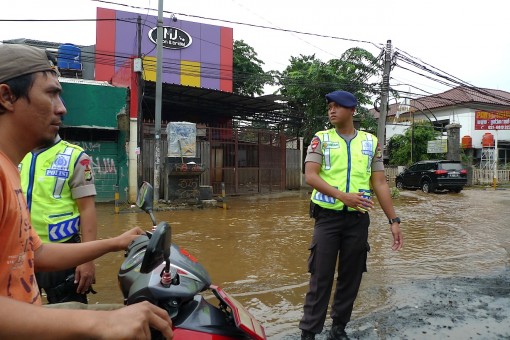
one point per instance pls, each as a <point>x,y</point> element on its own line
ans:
<point>215,71</point>
<point>247,24</point>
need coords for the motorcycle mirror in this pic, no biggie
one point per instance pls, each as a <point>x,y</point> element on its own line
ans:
<point>158,249</point>
<point>145,198</point>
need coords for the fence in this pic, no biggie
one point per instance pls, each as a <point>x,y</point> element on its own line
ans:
<point>244,160</point>
<point>391,173</point>
<point>481,177</point>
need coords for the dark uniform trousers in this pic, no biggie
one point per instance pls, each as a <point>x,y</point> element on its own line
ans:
<point>59,286</point>
<point>338,235</point>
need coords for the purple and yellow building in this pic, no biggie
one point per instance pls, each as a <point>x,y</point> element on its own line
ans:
<point>194,54</point>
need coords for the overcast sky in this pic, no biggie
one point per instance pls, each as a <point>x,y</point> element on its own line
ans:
<point>467,39</point>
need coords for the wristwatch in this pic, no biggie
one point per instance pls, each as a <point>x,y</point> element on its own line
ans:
<point>394,220</point>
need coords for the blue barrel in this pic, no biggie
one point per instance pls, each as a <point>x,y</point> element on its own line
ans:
<point>69,57</point>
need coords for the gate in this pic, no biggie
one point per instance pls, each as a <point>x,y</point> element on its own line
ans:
<point>244,160</point>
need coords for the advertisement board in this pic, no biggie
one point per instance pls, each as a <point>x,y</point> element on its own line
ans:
<point>494,120</point>
<point>182,139</point>
<point>437,146</point>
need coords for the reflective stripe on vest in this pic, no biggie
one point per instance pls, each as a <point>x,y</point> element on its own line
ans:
<point>64,229</point>
<point>60,169</point>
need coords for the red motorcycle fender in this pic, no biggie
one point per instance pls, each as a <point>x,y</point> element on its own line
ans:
<point>186,334</point>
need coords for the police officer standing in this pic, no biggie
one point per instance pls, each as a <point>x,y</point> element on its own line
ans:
<point>343,165</point>
<point>58,182</point>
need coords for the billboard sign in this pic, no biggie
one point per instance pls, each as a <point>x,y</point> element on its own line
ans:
<point>437,146</point>
<point>494,120</point>
<point>173,37</point>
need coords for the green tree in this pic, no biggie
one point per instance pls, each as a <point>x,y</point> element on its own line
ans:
<point>249,77</point>
<point>306,81</point>
<point>367,120</point>
<point>399,146</point>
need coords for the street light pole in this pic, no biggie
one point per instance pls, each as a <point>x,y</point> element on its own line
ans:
<point>157,128</point>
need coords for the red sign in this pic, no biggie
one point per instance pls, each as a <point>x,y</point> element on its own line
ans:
<point>495,120</point>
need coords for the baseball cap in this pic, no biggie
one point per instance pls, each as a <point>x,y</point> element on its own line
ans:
<point>342,98</point>
<point>18,60</point>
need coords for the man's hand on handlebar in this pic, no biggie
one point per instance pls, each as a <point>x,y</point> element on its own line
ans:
<point>126,238</point>
<point>135,321</point>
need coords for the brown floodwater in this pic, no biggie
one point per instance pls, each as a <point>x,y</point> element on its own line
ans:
<point>257,248</point>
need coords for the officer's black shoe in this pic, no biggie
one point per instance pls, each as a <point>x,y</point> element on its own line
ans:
<point>306,335</point>
<point>337,333</point>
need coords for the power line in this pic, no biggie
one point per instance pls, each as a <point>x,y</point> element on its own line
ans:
<point>447,79</point>
<point>247,24</point>
<point>174,67</point>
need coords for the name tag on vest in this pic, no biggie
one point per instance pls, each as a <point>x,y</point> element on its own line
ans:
<point>57,173</point>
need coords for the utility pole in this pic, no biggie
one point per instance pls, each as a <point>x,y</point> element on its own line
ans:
<point>140,115</point>
<point>385,89</point>
<point>157,130</point>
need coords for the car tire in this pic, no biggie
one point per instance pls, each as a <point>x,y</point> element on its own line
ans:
<point>427,187</point>
<point>399,184</point>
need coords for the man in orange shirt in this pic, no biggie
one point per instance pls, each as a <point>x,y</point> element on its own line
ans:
<point>31,112</point>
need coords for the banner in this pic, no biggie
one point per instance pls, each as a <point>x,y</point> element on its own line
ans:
<point>495,120</point>
<point>182,139</point>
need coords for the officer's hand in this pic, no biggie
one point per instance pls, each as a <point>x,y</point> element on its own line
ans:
<point>357,201</point>
<point>85,276</point>
<point>398,239</point>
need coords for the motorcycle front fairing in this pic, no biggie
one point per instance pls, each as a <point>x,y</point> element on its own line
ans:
<point>136,286</point>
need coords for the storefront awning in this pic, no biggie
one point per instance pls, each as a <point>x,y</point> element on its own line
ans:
<point>200,105</point>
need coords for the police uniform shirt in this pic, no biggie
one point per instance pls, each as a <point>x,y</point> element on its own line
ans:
<point>314,153</point>
<point>81,181</point>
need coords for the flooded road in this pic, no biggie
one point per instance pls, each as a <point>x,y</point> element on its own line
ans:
<point>257,249</point>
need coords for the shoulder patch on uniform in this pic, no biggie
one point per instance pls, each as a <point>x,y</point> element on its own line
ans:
<point>87,172</point>
<point>85,162</point>
<point>315,143</point>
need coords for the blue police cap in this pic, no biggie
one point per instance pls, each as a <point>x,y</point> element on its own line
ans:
<point>342,98</point>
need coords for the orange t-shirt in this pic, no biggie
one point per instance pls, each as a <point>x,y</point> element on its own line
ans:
<point>18,240</point>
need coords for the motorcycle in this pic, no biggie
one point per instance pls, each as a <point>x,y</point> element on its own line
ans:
<point>159,271</point>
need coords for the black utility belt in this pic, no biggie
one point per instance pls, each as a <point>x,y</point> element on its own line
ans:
<point>316,209</point>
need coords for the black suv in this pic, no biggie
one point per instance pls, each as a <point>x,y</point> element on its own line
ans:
<point>433,175</point>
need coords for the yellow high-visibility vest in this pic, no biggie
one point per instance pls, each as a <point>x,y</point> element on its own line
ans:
<point>45,182</point>
<point>346,166</point>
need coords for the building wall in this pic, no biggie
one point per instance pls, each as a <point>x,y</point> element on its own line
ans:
<point>465,117</point>
<point>109,164</point>
<point>94,121</point>
<point>207,62</point>
<point>93,105</point>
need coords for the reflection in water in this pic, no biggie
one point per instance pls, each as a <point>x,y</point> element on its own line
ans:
<point>257,249</point>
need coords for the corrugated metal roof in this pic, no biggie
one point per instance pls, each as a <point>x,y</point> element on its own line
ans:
<point>181,102</point>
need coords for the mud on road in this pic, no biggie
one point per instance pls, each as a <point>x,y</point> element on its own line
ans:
<point>452,281</point>
<point>446,308</point>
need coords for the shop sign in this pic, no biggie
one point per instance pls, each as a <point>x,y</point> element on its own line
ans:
<point>493,120</point>
<point>173,38</point>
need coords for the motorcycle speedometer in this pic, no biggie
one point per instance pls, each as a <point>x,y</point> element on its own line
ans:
<point>131,262</point>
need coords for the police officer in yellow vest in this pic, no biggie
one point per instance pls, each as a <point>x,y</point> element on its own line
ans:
<point>59,186</point>
<point>343,165</point>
